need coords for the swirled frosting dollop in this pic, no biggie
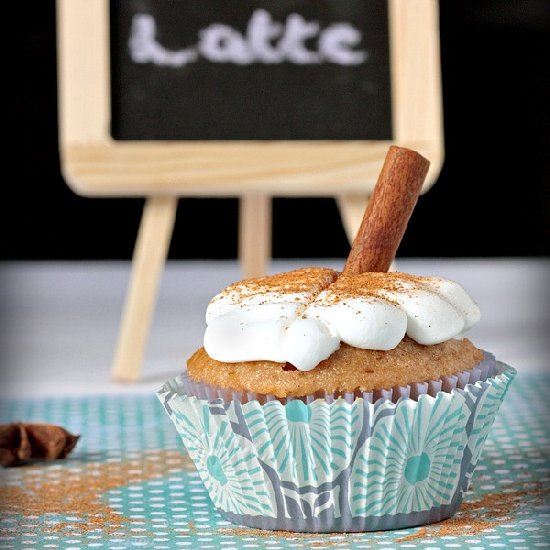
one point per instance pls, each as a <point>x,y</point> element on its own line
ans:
<point>302,316</point>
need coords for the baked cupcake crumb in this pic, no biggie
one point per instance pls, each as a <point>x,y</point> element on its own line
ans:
<point>347,369</point>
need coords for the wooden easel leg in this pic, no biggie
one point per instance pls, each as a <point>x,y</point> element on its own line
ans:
<point>148,262</point>
<point>255,234</point>
<point>352,208</point>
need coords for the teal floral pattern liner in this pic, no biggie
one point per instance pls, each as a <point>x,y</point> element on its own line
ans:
<point>338,465</point>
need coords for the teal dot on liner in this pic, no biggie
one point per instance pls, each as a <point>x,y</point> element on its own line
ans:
<point>417,468</point>
<point>297,411</point>
<point>215,469</point>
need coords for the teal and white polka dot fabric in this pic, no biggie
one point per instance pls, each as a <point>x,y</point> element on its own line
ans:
<point>130,436</point>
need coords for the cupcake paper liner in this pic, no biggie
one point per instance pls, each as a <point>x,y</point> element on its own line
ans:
<point>339,462</point>
<point>482,371</point>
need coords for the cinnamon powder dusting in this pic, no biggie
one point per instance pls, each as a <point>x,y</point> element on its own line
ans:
<point>313,280</point>
<point>476,516</point>
<point>375,285</point>
<point>306,280</point>
<point>307,540</point>
<point>473,518</point>
<point>80,492</point>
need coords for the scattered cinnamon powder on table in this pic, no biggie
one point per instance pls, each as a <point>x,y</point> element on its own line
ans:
<point>311,539</point>
<point>476,516</point>
<point>79,491</point>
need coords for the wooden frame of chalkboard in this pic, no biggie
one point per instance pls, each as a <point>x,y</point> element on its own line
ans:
<point>95,164</point>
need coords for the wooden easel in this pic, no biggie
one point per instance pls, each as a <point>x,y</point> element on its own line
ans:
<point>254,171</point>
<point>148,262</point>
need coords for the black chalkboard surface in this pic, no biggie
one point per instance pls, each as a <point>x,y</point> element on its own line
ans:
<point>250,70</point>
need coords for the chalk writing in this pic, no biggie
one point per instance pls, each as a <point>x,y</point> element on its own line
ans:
<point>266,41</point>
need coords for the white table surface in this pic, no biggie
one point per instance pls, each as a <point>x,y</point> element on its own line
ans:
<point>60,320</point>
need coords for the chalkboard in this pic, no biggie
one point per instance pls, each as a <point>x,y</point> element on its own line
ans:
<point>226,98</point>
<point>250,70</point>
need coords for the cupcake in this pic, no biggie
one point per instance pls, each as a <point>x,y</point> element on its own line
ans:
<point>323,401</point>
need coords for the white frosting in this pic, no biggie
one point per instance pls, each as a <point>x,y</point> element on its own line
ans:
<point>304,322</point>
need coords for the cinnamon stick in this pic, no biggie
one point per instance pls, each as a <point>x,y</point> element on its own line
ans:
<point>388,211</point>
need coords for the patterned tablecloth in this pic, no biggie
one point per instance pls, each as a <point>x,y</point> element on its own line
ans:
<point>130,484</point>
